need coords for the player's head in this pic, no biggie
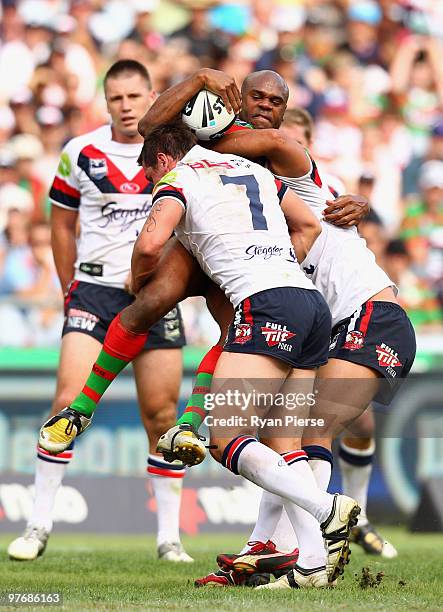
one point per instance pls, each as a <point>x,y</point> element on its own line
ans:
<point>163,147</point>
<point>129,94</point>
<point>298,125</point>
<point>264,98</point>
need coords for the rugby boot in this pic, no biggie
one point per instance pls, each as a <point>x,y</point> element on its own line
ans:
<point>60,431</point>
<point>173,551</point>
<point>182,443</point>
<point>264,557</point>
<point>336,531</point>
<point>30,545</point>
<point>372,542</point>
<point>231,578</point>
<point>300,578</point>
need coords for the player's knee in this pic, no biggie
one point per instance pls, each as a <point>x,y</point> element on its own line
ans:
<point>159,418</point>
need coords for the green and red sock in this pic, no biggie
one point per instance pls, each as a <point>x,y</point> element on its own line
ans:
<point>120,346</point>
<point>195,412</point>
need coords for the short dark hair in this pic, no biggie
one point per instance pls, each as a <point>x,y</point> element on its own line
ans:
<point>174,139</point>
<point>127,66</point>
<point>299,116</point>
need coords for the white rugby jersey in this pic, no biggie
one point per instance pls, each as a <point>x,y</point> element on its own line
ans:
<point>233,223</point>
<point>100,178</point>
<point>339,263</point>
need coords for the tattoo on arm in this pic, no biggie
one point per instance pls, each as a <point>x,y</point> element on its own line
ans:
<point>151,221</point>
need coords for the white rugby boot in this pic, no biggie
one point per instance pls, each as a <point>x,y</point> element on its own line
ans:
<point>30,545</point>
<point>183,444</point>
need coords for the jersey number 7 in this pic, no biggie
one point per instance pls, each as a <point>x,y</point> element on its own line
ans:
<point>253,195</point>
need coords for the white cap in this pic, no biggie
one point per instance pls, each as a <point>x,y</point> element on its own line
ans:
<point>431,175</point>
<point>13,197</point>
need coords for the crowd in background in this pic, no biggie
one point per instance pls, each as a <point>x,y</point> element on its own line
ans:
<point>370,74</point>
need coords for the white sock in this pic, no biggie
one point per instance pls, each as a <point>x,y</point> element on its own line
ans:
<point>48,478</point>
<point>167,492</point>
<point>284,536</point>
<point>269,514</point>
<point>310,541</point>
<point>266,468</point>
<point>322,471</point>
<point>355,478</point>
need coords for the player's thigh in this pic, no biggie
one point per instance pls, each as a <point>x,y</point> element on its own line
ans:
<point>158,374</point>
<point>77,355</point>
<point>292,409</point>
<point>343,390</point>
<point>243,388</point>
<point>178,276</point>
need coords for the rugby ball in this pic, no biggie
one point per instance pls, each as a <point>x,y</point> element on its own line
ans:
<point>206,115</point>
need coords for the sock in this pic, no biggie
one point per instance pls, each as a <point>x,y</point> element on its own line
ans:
<point>167,481</point>
<point>269,516</point>
<point>49,473</point>
<point>264,467</point>
<point>272,521</point>
<point>120,346</point>
<point>195,412</point>
<point>321,463</point>
<point>356,469</point>
<point>310,540</point>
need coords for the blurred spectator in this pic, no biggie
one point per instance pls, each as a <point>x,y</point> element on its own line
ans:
<point>369,71</point>
<point>28,150</point>
<point>422,226</point>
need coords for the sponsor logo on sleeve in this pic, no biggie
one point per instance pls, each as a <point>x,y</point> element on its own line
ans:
<point>64,166</point>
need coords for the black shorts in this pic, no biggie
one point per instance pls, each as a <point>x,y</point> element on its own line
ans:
<point>378,335</point>
<point>90,308</point>
<point>288,323</point>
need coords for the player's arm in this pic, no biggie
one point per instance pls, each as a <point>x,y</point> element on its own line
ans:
<point>346,210</point>
<point>64,248</point>
<point>286,157</point>
<point>170,103</point>
<point>158,228</point>
<point>304,227</point>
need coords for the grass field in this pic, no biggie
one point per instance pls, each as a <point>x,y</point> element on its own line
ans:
<point>121,573</point>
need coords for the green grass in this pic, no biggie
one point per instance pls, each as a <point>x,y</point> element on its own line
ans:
<point>121,573</point>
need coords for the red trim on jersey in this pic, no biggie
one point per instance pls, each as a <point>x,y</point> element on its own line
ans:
<point>114,174</point>
<point>63,186</point>
<point>165,472</point>
<point>366,317</point>
<point>91,393</point>
<point>235,128</point>
<point>247,311</point>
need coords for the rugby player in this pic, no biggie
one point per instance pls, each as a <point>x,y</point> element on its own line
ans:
<point>357,450</point>
<point>218,206</point>
<point>99,184</point>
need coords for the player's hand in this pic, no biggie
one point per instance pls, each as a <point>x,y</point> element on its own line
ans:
<point>347,210</point>
<point>224,86</point>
